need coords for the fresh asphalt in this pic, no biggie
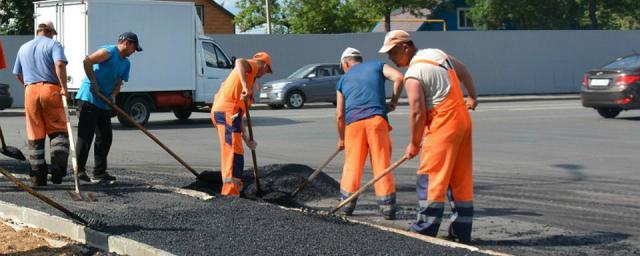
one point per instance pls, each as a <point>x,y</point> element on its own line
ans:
<point>551,177</point>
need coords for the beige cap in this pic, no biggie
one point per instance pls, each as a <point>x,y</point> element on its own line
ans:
<point>393,38</point>
<point>350,52</point>
<point>49,25</point>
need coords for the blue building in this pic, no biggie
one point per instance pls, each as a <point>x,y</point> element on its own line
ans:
<point>454,13</point>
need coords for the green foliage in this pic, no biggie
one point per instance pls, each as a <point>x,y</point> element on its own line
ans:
<point>253,14</point>
<point>16,17</point>
<point>555,14</point>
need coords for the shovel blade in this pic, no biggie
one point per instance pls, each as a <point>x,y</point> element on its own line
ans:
<point>75,196</point>
<point>13,152</point>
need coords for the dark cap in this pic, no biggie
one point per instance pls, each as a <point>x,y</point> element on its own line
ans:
<point>131,37</point>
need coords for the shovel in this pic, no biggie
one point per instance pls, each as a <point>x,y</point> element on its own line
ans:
<point>315,174</point>
<point>91,222</point>
<point>253,151</point>
<point>10,151</point>
<point>145,131</point>
<point>75,195</point>
<point>366,186</point>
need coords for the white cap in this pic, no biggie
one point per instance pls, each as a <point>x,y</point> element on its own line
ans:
<point>350,52</point>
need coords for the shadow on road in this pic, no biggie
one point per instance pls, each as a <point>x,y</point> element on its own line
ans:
<point>634,118</point>
<point>11,114</point>
<point>499,212</point>
<point>196,123</point>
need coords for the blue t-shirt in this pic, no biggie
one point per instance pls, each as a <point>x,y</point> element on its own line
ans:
<point>106,73</point>
<point>36,58</point>
<point>363,90</point>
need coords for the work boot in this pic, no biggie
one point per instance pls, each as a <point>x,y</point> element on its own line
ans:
<point>56,176</point>
<point>456,238</point>
<point>388,212</point>
<point>36,181</point>
<point>104,177</point>
<point>348,209</point>
<point>84,177</point>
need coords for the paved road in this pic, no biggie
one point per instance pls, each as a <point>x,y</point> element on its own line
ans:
<point>551,177</point>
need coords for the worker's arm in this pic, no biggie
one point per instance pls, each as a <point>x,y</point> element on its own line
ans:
<point>417,116</point>
<point>116,90</point>
<point>252,144</point>
<point>467,81</point>
<point>397,78</point>
<point>20,78</point>
<point>340,123</point>
<point>243,65</point>
<point>61,73</point>
<point>97,57</point>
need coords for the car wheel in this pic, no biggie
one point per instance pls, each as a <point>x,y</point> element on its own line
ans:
<point>139,109</point>
<point>609,112</point>
<point>182,114</point>
<point>276,106</point>
<point>295,99</point>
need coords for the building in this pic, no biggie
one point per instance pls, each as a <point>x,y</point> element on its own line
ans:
<point>455,14</point>
<point>215,18</point>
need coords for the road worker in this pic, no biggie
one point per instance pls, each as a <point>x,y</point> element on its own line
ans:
<point>41,67</point>
<point>106,69</point>
<point>363,126</point>
<point>227,116</point>
<point>437,105</point>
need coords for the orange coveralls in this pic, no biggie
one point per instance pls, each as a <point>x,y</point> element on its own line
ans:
<point>227,113</point>
<point>446,164</point>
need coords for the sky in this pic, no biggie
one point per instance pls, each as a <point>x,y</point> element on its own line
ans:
<point>229,5</point>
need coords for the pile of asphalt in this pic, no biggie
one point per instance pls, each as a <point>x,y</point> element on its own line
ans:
<point>189,226</point>
<point>277,183</point>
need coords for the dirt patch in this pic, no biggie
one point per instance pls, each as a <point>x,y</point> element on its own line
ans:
<point>31,241</point>
<point>277,182</point>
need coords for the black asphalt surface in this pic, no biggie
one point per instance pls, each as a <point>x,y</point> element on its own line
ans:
<point>224,225</point>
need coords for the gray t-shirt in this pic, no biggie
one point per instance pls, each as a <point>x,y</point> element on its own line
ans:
<point>433,79</point>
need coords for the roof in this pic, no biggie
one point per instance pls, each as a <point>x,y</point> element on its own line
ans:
<point>406,26</point>
<point>216,4</point>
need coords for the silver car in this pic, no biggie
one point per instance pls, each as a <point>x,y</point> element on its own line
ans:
<point>311,83</point>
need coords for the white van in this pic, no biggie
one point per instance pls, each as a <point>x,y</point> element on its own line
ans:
<point>179,70</point>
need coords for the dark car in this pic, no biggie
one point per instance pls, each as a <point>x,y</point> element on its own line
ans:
<point>311,83</point>
<point>5,96</point>
<point>613,87</point>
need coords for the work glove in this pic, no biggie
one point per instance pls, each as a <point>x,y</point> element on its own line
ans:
<point>94,88</point>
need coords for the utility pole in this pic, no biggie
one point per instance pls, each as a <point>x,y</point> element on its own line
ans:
<point>268,18</point>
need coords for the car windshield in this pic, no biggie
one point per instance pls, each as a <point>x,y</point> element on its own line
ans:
<point>625,63</point>
<point>302,72</point>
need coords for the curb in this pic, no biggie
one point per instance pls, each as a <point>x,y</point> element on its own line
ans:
<point>100,240</point>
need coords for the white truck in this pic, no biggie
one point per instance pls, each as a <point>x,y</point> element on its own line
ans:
<point>179,70</point>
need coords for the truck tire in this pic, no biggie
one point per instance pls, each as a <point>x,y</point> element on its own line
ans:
<point>182,114</point>
<point>609,112</point>
<point>138,108</point>
<point>295,99</point>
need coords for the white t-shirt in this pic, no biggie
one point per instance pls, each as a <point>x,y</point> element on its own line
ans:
<point>433,79</point>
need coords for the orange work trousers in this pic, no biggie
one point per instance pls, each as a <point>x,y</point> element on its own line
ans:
<point>227,118</point>
<point>43,110</point>
<point>368,136</point>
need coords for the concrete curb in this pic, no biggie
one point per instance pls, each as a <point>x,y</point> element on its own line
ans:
<point>55,224</point>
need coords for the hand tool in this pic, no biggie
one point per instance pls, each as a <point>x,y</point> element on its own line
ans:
<point>75,195</point>
<point>253,151</point>
<point>315,174</point>
<point>10,151</point>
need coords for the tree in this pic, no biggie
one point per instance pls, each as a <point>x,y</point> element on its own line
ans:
<point>385,7</point>
<point>328,16</point>
<point>253,14</point>
<point>556,14</point>
<point>16,17</point>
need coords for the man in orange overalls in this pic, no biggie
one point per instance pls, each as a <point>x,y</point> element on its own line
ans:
<point>363,126</point>
<point>41,67</point>
<point>227,112</point>
<point>437,103</point>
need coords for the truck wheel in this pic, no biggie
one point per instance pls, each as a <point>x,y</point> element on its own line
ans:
<point>295,99</point>
<point>276,106</point>
<point>609,112</point>
<point>182,114</point>
<point>139,109</point>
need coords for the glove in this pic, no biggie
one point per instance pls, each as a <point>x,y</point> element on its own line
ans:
<point>94,88</point>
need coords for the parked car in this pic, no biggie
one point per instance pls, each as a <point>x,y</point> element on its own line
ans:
<point>614,87</point>
<point>311,83</point>
<point>5,97</point>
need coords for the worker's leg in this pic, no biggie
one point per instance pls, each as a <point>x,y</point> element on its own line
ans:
<point>439,152</point>
<point>86,129</point>
<point>355,155</point>
<point>379,141</point>
<point>231,151</point>
<point>36,134</point>
<point>461,192</point>
<point>104,138</point>
<point>56,128</point>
